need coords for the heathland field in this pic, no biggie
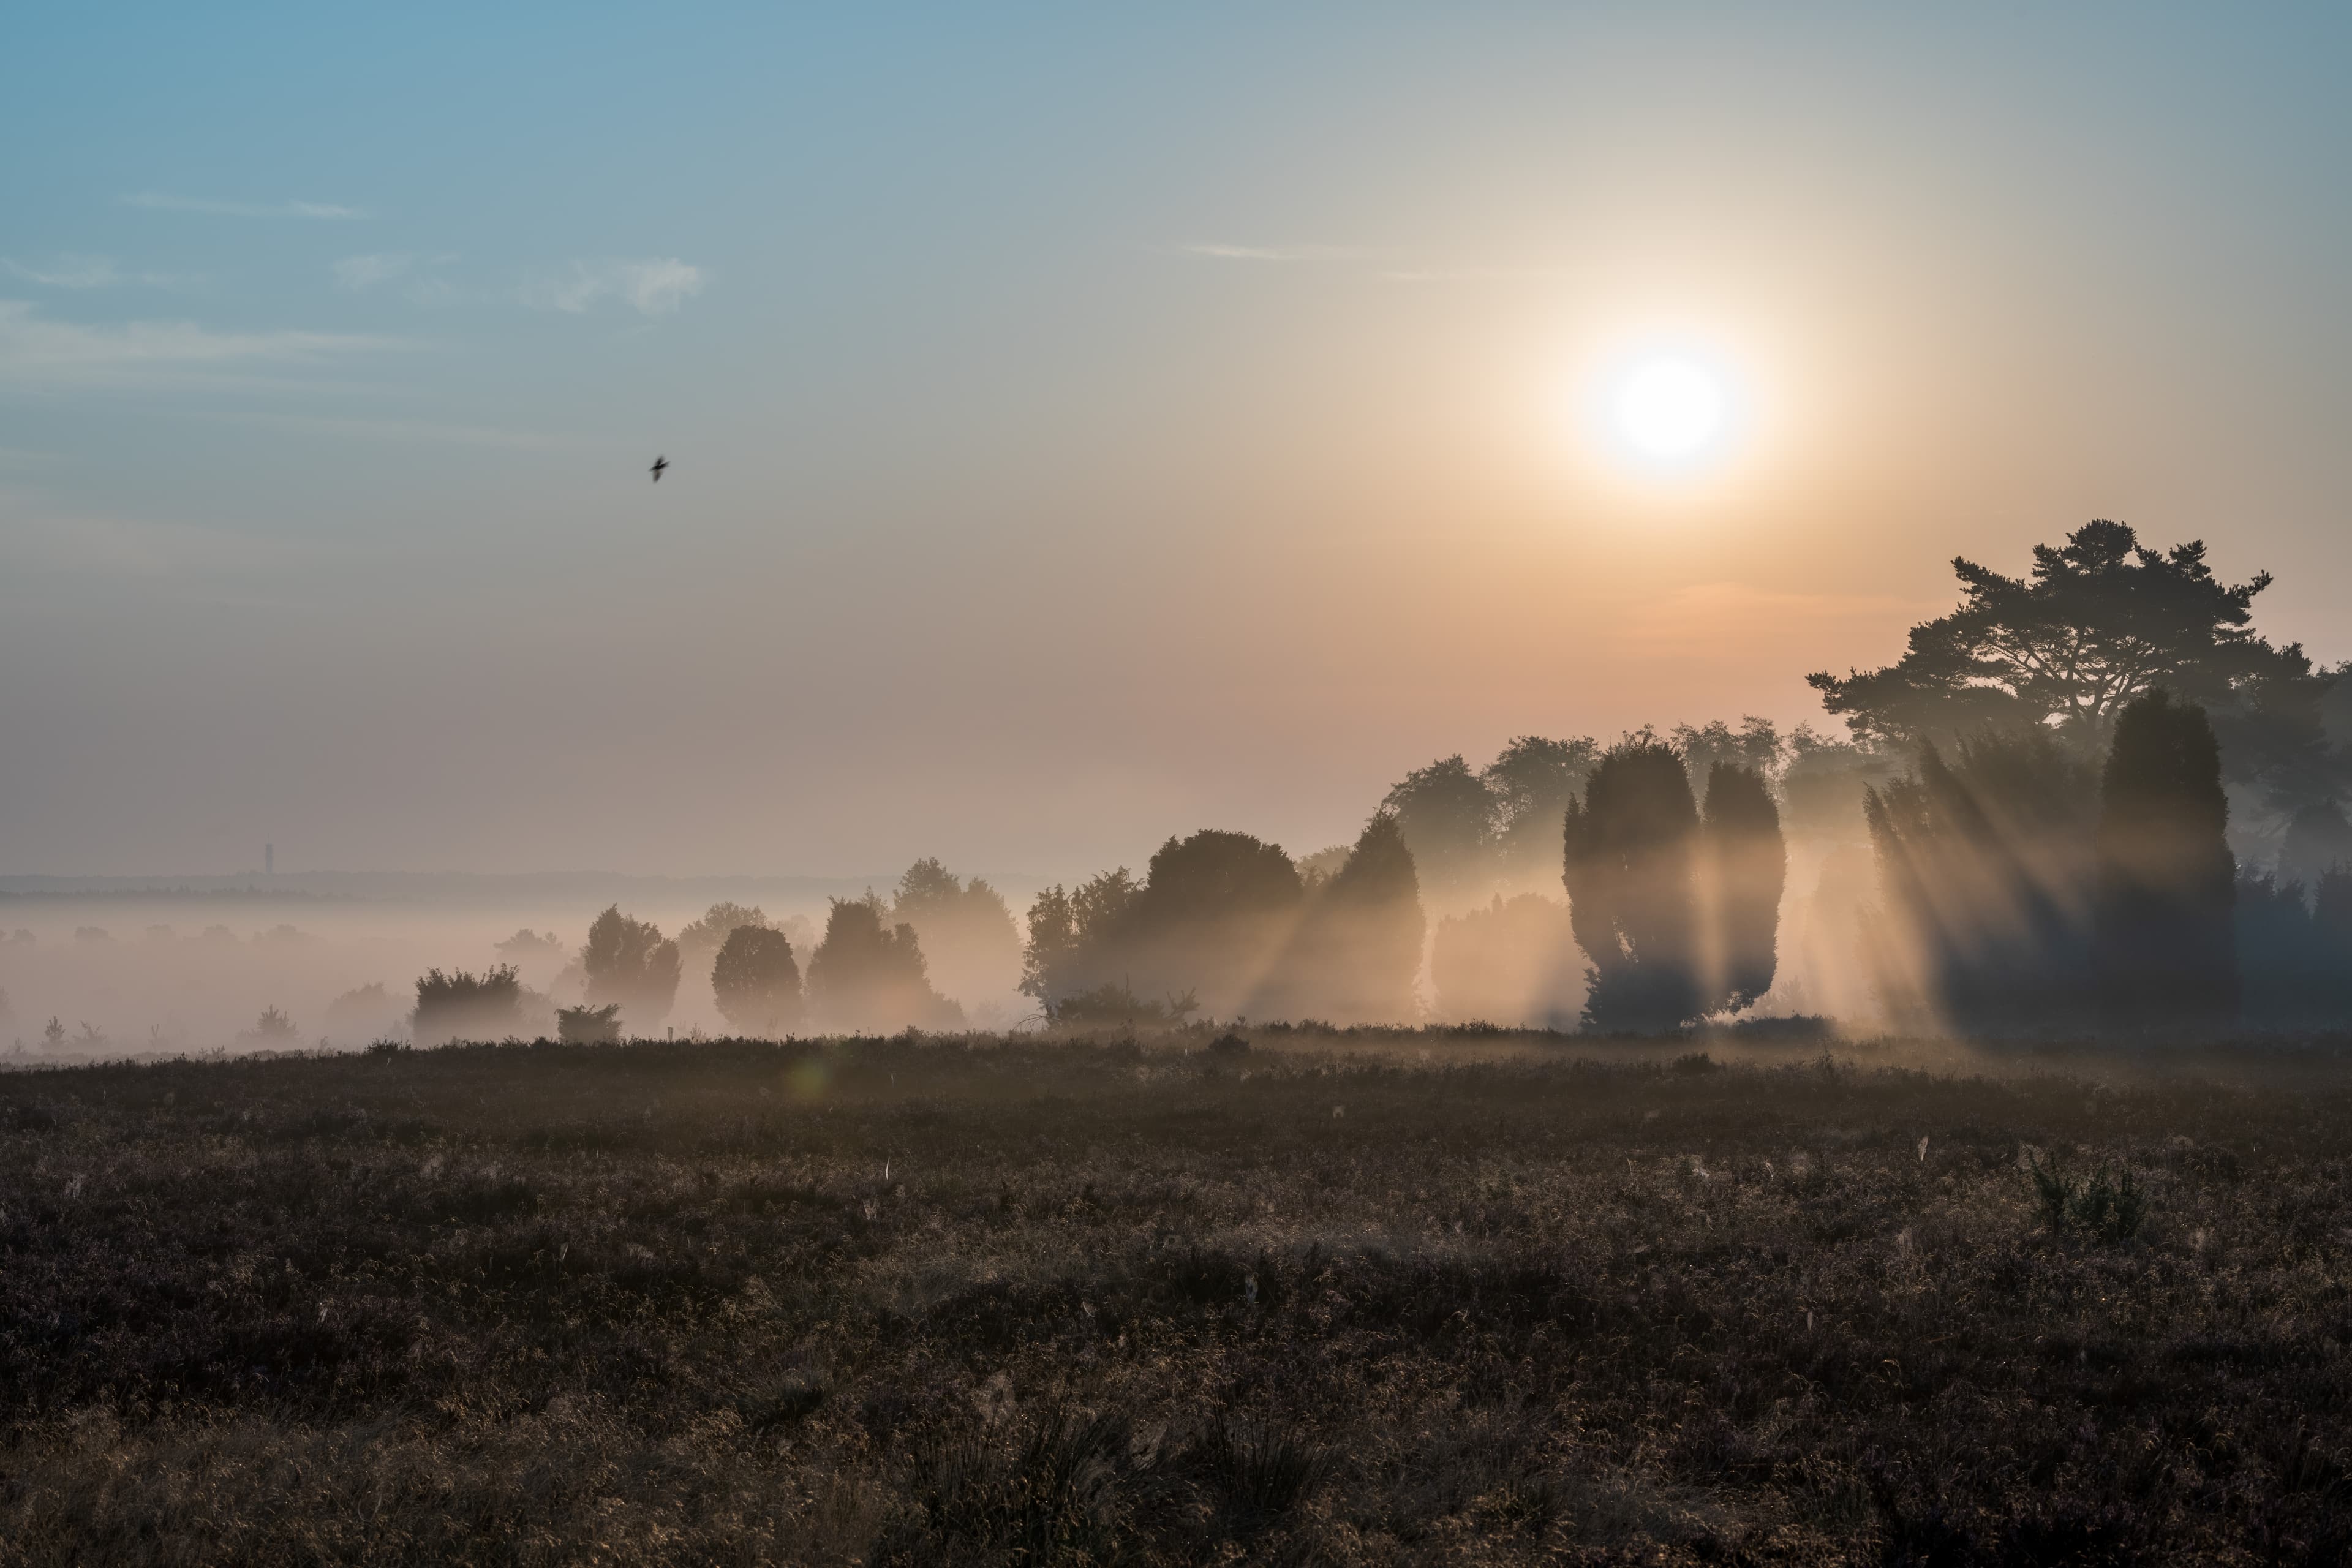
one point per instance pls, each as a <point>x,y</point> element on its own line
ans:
<point>1400,1298</point>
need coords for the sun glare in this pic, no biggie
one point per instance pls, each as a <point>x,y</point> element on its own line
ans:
<point>1670,409</point>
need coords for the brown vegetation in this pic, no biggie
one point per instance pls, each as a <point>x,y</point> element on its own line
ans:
<point>1348,1299</point>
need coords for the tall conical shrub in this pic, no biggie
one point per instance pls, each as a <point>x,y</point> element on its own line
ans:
<point>1630,864</point>
<point>1746,866</point>
<point>1357,950</point>
<point>2165,945</point>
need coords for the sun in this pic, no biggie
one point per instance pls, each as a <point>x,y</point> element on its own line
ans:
<point>1670,409</point>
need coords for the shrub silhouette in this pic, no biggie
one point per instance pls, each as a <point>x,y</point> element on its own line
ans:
<point>2108,1203</point>
<point>1113,1003</point>
<point>2166,944</point>
<point>1630,864</point>
<point>867,976</point>
<point>463,1006</point>
<point>626,961</point>
<point>756,981</point>
<point>589,1026</point>
<point>274,1027</point>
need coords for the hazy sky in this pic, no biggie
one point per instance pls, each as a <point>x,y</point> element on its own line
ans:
<point>1088,423</point>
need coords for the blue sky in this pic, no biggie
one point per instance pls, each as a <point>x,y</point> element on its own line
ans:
<point>1088,422</point>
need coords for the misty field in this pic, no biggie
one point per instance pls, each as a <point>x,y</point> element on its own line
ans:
<point>1404,1299</point>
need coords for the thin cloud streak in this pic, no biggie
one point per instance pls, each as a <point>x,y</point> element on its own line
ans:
<point>158,201</point>
<point>88,272</point>
<point>35,347</point>
<point>654,287</point>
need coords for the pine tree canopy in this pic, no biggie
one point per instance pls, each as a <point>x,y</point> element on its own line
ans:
<point>2098,622</point>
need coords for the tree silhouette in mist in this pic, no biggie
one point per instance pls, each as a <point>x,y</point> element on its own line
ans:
<point>1986,863</point>
<point>1630,864</point>
<point>2166,944</point>
<point>2318,840</point>
<point>1447,813</point>
<point>967,931</point>
<point>868,976</point>
<point>1356,952</point>
<point>1744,870</point>
<point>1204,929</point>
<point>1529,784</point>
<point>1071,937</point>
<point>1213,915</point>
<point>528,947</point>
<point>1755,745</point>
<point>2295,968</point>
<point>626,961</point>
<point>2098,621</point>
<point>699,941</point>
<point>757,981</point>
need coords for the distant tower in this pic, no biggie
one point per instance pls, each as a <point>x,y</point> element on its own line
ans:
<point>269,859</point>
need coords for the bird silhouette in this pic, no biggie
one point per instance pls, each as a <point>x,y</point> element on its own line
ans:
<point>660,464</point>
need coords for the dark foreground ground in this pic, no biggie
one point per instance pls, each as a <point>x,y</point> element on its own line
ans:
<point>918,1302</point>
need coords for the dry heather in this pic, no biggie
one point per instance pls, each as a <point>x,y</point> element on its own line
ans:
<point>915,1301</point>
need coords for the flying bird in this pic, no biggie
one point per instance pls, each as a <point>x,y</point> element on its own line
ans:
<point>660,464</point>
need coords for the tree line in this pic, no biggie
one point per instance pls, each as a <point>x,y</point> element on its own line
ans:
<point>2049,781</point>
<point>868,973</point>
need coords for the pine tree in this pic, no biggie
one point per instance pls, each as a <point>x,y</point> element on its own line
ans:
<point>868,976</point>
<point>756,981</point>
<point>966,930</point>
<point>1746,866</point>
<point>628,961</point>
<point>1356,951</point>
<point>1630,867</point>
<point>2165,945</point>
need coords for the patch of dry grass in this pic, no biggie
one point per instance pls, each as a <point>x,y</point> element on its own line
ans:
<point>985,1300</point>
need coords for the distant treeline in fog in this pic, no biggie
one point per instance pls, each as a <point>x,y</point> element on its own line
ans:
<point>2090,797</point>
